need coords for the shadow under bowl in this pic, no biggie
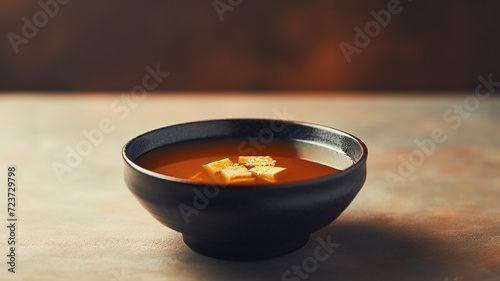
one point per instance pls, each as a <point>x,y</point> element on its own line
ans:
<point>241,222</point>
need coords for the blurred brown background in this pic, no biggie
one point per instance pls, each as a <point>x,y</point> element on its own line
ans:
<point>259,46</point>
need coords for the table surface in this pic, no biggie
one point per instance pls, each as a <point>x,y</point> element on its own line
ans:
<point>426,212</point>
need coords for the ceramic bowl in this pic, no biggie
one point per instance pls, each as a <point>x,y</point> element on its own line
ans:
<point>241,222</point>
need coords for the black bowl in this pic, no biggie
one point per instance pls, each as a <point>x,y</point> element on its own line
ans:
<point>247,223</point>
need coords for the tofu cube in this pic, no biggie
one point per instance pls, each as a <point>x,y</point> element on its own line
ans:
<point>218,165</point>
<point>250,161</point>
<point>237,173</point>
<point>267,173</point>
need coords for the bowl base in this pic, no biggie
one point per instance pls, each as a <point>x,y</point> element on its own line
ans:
<point>246,250</point>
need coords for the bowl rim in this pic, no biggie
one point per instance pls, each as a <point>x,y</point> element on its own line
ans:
<point>351,168</point>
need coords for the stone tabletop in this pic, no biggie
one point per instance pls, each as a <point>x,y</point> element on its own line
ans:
<point>429,210</point>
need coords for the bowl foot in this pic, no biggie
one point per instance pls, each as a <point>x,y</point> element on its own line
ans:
<point>245,250</point>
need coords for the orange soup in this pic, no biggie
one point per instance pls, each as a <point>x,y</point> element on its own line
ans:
<point>229,162</point>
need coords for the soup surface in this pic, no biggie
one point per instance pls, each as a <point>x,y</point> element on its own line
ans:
<point>198,161</point>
